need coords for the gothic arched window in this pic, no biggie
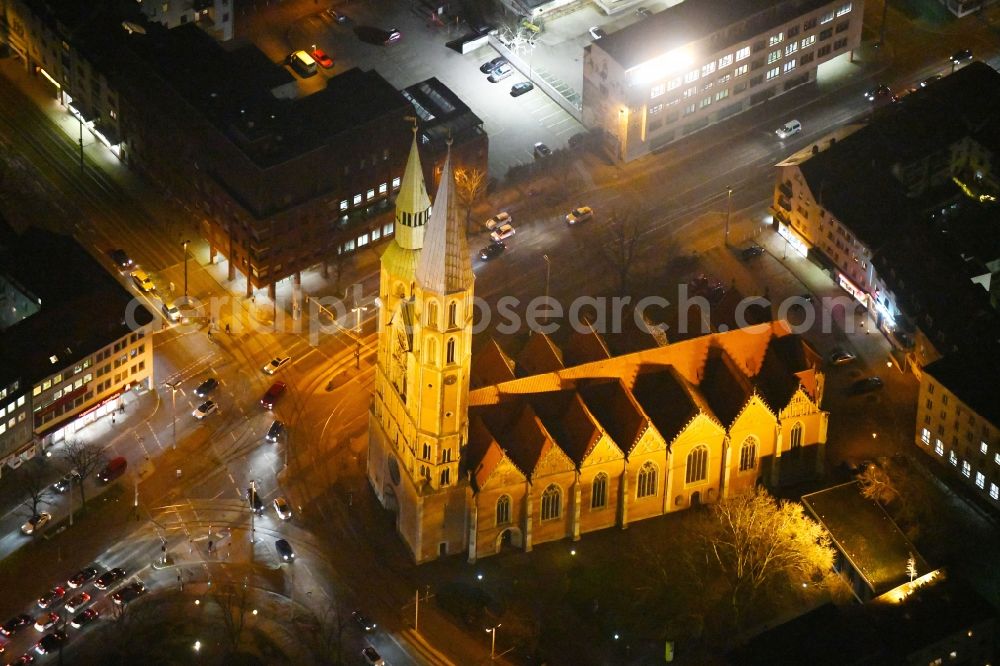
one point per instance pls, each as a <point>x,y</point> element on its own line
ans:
<point>697,465</point>
<point>796,435</point>
<point>503,510</point>
<point>599,492</point>
<point>748,454</point>
<point>432,314</point>
<point>551,502</point>
<point>646,484</point>
<point>451,350</point>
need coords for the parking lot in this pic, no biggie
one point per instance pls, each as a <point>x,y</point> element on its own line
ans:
<point>513,124</point>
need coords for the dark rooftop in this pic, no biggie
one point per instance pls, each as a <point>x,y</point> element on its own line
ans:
<point>442,114</point>
<point>83,307</point>
<point>972,376</point>
<point>694,20</point>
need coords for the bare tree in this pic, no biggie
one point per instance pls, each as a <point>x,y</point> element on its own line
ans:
<point>31,479</point>
<point>877,485</point>
<point>470,185</point>
<point>620,248</point>
<point>233,600</point>
<point>759,546</point>
<point>84,458</point>
<point>329,637</point>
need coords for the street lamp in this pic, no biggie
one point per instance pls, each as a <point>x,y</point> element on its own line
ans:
<point>253,513</point>
<point>493,641</point>
<point>729,211</point>
<point>173,404</point>
<point>357,310</point>
<point>185,244</point>
<point>548,268</point>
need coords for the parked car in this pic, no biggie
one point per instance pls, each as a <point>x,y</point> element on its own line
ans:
<point>275,364</point>
<point>392,35</point>
<point>275,432</point>
<point>206,387</point>
<point>866,385</point>
<point>372,657</point>
<point>77,602</point>
<point>112,470</point>
<point>25,658</point>
<point>788,129</point>
<point>929,80</point>
<point>84,618</point>
<point>541,150</point>
<point>65,483</point>
<point>494,249</point>
<point>271,396</point>
<point>958,57</point>
<point>841,357</point>
<point>521,87</point>
<point>500,73</point>
<point>578,215</point>
<point>502,232</point>
<point>121,259</point>
<point>109,578</point>
<point>320,56</point>
<point>751,251</point>
<point>499,218</point>
<point>488,66</point>
<point>362,621</point>
<point>46,621</point>
<point>597,32</point>
<point>282,508</point>
<point>129,593</point>
<point>52,597</point>
<point>36,523</point>
<point>285,551</point>
<point>50,642</point>
<point>82,577</point>
<point>204,409</point>
<point>142,280</point>
<point>15,624</point>
<point>170,311</point>
<point>337,16</point>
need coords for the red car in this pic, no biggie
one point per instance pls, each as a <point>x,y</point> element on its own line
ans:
<point>276,391</point>
<point>322,58</point>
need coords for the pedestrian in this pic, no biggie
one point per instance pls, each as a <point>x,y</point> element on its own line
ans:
<point>227,327</point>
<point>112,419</point>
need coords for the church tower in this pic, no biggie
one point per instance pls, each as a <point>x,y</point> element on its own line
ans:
<point>419,420</point>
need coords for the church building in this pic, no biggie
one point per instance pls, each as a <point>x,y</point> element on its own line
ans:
<point>475,454</point>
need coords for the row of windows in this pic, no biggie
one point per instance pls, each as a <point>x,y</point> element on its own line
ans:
<point>357,200</point>
<point>9,389</point>
<point>14,404</point>
<point>966,465</point>
<point>365,238</point>
<point>10,422</point>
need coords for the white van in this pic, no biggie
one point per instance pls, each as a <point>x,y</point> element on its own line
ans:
<point>302,63</point>
<point>788,129</point>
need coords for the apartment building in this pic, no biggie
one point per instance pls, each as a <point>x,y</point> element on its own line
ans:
<point>958,419</point>
<point>72,342</point>
<point>216,17</point>
<point>702,61</point>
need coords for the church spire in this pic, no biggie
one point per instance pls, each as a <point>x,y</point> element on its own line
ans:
<point>412,204</point>
<point>444,265</point>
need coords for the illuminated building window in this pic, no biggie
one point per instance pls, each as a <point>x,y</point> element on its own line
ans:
<point>722,94</point>
<point>691,76</point>
<point>776,39</point>
<point>653,110</point>
<point>451,350</point>
<point>773,56</point>
<point>673,84</point>
<point>704,102</point>
<point>953,458</point>
<point>343,204</point>
<point>503,510</point>
<point>726,61</point>
<point>788,66</point>
<point>983,448</point>
<point>708,69</point>
<point>376,233</point>
<point>599,492</point>
<point>371,194</point>
<point>826,18</point>
<point>395,183</point>
<point>996,458</point>
<point>994,491</point>
<point>646,483</point>
<point>771,73</point>
<point>690,91</point>
<point>743,53</point>
<point>551,503</point>
<point>383,188</point>
<point>723,79</point>
<point>363,240</point>
<point>925,436</point>
<point>844,9</point>
<point>791,48</point>
<point>966,469</point>
<point>357,199</point>
<point>980,479</point>
<point>748,454</point>
<point>796,435</point>
<point>741,70</point>
<point>697,465</point>
<point>387,228</point>
<point>939,447</point>
<point>656,91</point>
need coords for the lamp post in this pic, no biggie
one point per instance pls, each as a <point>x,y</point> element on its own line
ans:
<point>357,310</point>
<point>548,269</point>
<point>493,641</point>
<point>185,244</point>
<point>253,513</point>
<point>173,413</point>
<point>729,211</point>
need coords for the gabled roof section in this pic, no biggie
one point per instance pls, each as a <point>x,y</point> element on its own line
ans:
<point>667,398</point>
<point>570,423</point>
<point>483,453</point>
<point>491,366</point>
<point>616,410</point>
<point>538,356</point>
<point>724,386</point>
<point>779,378</point>
<point>584,347</point>
<point>445,266</point>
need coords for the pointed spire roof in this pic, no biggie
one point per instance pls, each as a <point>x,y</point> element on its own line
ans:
<point>445,265</point>
<point>412,202</point>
